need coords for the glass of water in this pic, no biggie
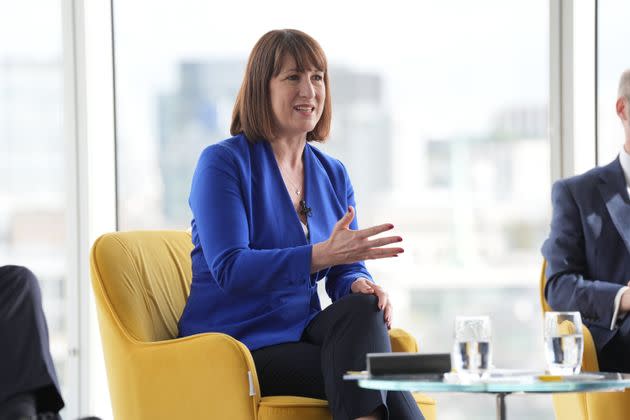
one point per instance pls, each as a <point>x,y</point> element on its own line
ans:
<point>564,342</point>
<point>472,353</point>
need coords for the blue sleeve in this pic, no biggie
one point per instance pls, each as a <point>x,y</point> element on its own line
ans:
<point>565,251</point>
<point>341,277</point>
<point>221,222</point>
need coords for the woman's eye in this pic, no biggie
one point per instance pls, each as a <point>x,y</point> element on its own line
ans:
<point>318,77</point>
<point>293,77</point>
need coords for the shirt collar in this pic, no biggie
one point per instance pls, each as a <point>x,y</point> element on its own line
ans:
<point>624,160</point>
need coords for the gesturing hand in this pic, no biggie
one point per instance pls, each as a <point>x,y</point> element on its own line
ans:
<point>624,305</point>
<point>363,285</point>
<point>345,246</point>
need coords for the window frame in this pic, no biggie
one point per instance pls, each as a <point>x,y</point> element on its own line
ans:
<point>89,127</point>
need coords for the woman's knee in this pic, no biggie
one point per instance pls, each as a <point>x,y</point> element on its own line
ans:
<point>361,304</point>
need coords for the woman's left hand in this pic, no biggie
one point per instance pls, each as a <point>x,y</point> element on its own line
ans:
<point>363,285</point>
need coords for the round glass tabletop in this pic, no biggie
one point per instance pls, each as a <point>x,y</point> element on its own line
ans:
<point>504,381</point>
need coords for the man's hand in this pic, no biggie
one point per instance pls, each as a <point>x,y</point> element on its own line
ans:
<point>624,305</point>
<point>363,285</point>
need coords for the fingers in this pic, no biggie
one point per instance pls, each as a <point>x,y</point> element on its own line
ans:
<point>344,222</point>
<point>349,246</point>
<point>375,243</point>
<point>387,315</point>
<point>378,253</point>
<point>383,299</point>
<point>384,305</point>
<point>374,230</point>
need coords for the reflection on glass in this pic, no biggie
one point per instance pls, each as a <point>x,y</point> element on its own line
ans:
<point>440,116</point>
<point>472,345</point>
<point>564,342</point>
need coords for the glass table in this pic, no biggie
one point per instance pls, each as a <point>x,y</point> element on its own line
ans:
<point>499,382</point>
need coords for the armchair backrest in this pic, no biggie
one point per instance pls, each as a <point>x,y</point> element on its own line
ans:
<point>543,280</point>
<point>144,278</point>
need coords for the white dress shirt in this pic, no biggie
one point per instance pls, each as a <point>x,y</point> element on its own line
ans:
<point>624,160</point>
<point>305,229</point>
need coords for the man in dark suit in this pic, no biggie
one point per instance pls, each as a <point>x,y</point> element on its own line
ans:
<point>588,249</point>
<point>28,382</point>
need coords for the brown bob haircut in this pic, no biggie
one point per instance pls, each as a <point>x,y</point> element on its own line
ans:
<point>252,114</point>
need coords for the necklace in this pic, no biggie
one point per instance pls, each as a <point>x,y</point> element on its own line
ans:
<point>296,189</point>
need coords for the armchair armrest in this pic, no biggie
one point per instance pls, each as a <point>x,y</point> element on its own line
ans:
<point>176,378</point>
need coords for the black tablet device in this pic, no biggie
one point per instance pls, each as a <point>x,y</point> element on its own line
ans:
<point>408,363</point>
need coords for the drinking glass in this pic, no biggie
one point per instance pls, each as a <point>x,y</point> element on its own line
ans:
<point>564,342</point>
<point>472,353</point>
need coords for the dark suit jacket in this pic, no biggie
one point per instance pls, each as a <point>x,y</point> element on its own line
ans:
<point>588,249</point>
<point>25,361</point>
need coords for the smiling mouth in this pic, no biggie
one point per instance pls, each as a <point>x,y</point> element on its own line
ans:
<point>308,109</point>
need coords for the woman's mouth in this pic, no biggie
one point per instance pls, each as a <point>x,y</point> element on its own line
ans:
<point>307,110</point>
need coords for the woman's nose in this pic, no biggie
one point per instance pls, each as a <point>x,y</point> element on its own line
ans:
<point>307,90</point>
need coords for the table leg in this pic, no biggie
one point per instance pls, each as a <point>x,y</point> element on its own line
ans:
<point>501,405</point>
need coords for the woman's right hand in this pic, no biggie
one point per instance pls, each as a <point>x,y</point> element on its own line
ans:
<point>346,246</point>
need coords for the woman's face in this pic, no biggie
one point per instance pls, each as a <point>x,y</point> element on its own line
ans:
<point>297,99</point>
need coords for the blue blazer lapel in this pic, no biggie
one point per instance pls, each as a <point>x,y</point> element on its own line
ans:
<point>276,194</point>
<point>614,193</point>
<point>320,196</point>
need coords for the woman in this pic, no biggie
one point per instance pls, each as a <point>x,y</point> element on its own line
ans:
<point>274,215</point>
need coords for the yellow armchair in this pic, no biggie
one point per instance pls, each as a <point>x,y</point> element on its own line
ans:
<point>141,281</point>
<point>588,405</point>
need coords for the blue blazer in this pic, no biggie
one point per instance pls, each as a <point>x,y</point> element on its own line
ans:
<point>251,260</point>
<point>588,249</point>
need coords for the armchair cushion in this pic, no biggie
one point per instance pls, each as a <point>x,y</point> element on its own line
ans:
<point>284,407</point>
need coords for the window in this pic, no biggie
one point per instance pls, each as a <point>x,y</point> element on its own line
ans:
<point>439,113</point>
<point>612,31</point>
<point>33,186</point>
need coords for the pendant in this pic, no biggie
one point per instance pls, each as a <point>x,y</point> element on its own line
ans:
<point>297,192</point>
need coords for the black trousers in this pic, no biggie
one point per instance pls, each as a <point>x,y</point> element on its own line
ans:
<point>27,373</point>
<point>334,342</point>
